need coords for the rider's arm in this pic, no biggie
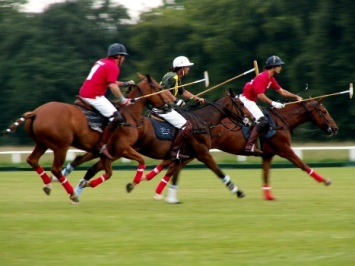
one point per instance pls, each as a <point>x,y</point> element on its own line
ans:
<point>262,97</point>
<point>288,94</point>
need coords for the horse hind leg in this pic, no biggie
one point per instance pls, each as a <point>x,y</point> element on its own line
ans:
<point>59,159</point>
<point>33,160</point>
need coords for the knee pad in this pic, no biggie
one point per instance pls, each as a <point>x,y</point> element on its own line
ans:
<point>187,128</point>
<point>262,125</point>
<point>116,119</point>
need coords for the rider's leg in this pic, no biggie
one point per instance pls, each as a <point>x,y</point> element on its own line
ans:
<point>259,129</point>
<point>114,120</point>
<point>181,135</point>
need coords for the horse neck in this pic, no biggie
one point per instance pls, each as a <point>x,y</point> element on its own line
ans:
<point>293,115</point>
<point>210,114</point>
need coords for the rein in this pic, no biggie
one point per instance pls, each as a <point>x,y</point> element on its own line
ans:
<point>141,121</point>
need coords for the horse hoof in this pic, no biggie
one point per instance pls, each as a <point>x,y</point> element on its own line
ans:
<point>328,182</point>
<point>129,187</point>
<point>240,194</point>
<point>83,184</point>
<point>74,199</point>
<point>54,179</point>
<point>173,201</point>
<point>158,197</point>
<point>270,198</point>
<point>47,190</point>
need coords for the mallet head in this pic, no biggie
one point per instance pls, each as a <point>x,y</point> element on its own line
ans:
<point>351,91</point>
<point>206,78</point>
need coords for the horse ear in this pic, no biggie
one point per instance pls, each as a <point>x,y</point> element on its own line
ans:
<point>320,100</point>
<point>231,93</point>
<point>149,78</point>
<point>140,76</point>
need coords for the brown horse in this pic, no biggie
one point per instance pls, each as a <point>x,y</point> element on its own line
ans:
<point>57,126</point>
<point>145,141</point>
<point>229,137</point>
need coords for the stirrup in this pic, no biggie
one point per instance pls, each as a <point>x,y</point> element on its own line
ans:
<point>105,152</point>
<point>178,156</point>
<point>253,151</point>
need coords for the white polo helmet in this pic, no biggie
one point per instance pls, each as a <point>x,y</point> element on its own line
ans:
<point>182,61</point>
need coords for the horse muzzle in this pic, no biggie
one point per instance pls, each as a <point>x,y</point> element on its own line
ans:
<point>331,131</point>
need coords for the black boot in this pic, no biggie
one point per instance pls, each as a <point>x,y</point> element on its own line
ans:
<point>176,145</point>
<point>101,145</point>
<point>250,146</point>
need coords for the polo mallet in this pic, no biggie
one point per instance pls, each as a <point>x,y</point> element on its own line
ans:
<point>205,79</point>
<point>256,69</point>
<point>350,91</point>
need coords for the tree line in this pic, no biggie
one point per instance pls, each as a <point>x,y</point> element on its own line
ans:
<point>46,56</point>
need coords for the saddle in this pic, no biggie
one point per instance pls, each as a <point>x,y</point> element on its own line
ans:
<point>96,120</point>
<point>163,130</point>
<point>270,133</point>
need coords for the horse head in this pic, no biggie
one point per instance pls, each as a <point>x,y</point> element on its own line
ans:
<point>148,92</point>
<point>320,116</point>
<point>236,109</point>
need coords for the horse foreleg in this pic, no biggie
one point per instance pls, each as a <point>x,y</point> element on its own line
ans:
<point>165,180</point>
<point>173,170</point>
<point>90,173</point>
<point>208,160</point>
<point>292,157</point>
<point>106,165</point>
<point>266,174</point>
<point>157,170</point>
<point>33,159</point>
<point>80,159</point>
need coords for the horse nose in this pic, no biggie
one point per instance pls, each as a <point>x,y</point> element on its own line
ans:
<point>332,130</point>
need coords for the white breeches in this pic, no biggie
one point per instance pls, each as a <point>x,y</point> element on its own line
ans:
<point>252,107</point>
<point>102,104</point>
<point>174,118</point>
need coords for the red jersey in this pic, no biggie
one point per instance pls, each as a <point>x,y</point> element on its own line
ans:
<point>259,85</point>
<point>104,72</point>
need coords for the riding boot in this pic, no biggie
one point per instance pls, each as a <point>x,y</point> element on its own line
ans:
<point>101,145</point>
<point>250,148</point>
<point>176,145</point>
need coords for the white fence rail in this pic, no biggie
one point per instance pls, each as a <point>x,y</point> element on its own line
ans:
<point>16,156</point>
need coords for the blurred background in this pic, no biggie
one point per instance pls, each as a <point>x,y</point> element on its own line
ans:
<point>46,56</point>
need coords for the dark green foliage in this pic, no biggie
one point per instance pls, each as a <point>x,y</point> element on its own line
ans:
<point>45,57</point>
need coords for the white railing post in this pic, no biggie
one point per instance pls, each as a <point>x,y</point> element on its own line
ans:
<point>352,153</point>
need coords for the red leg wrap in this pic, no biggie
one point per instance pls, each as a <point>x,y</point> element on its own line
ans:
<point>98,180</point>
<point>267,193</point>
<point>154,172</point>
<point>316,176</point>
<point>67,186</point>
<point>162,184</point>
<point>138,178</point>
<point>46,179</point>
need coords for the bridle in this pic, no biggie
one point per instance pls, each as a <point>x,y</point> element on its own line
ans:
<point>318,112</point>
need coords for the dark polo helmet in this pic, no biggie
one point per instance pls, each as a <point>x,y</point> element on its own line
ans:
<point>273,61</point>
<point>115,49</point>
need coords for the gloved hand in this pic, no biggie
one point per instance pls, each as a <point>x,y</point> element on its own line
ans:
<point>128,83</point>
<point>277,105</point>
<point>179,102</point>
<point>125,101</point>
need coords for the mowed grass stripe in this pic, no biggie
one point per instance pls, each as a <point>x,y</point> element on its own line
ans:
<point>309,224</point>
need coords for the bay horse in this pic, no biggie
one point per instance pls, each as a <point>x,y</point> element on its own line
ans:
<point>58,126</point>
<point>229,137</point>
<point>146,142</point>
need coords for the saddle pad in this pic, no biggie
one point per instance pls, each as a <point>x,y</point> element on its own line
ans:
<point>95,119</point>
<point>163,130</point>
<point>271,132</point>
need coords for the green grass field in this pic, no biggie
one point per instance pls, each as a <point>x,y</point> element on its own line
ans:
<point>309,224</point>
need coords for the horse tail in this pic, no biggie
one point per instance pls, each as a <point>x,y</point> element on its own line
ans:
<point>12,128</point>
